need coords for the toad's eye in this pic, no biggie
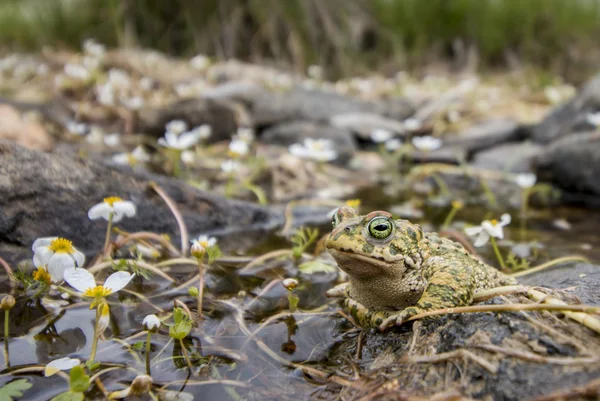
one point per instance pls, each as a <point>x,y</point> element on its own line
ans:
<point>380,228</point>
<point>335,219</point>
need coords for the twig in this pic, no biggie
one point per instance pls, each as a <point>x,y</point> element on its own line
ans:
<point>590,390</point>
<point>146,235</point>
<point>553,262</point>
<point>9,272</point>
<point>185,239</point>
<point>459,353</point>
<point>265,257</point>
<point>531,357</point>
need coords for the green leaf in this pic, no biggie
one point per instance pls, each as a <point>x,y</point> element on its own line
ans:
<point>14,389</point>
<point>92,365</point>
<point>69,396</point>
<point>180,330</point>
<point>79,381</point>
<point>138,345</point>
<point>178,315</point>
<point>317,266</point>
<point>213,252</point>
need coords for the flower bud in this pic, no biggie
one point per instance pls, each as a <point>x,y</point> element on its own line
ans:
<point>7,302</point>
<point>151,323</point>
<point>198,251</point>
<point>193,291</point>
<point>142,384</point>
<point>290,283</point>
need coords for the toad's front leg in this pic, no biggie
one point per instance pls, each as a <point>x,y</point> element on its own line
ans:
<point>448,287</point>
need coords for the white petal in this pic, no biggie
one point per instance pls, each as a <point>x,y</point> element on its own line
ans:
<point>44,241</point>
<point>121,158</point>
<point>79,258</point>
<point>151,322</point>
<point>80,279</point>
<point>117,217</point>
<point>505,219</point>
<point>471,231</point>
<point>482,239</point>
<point>495,231</point>
<point>42,255</point>
<point>124,207</point>
<point>60,364</point>
<point>187,140</point>
<point>58,263</point>
<point>104,319</point>
<point>118,280</point>
<point>100,210</point>
<point>162,142</point>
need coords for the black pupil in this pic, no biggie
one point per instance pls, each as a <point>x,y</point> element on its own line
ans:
<point>381,227</point>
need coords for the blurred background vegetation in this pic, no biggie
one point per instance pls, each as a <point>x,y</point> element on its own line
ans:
<point>343,36</point>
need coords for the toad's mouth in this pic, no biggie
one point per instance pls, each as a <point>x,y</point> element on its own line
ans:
<point>344,253</point>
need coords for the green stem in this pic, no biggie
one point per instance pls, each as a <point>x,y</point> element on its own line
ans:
<point>488,193</point>
<point>497,252</point>
<point>108,232</point>
<point>185,355</point>
<point>229,186</point>
<point>176,163</point>
<point>200,287</point>
<point>95,339</point>
<point>148,343</point>
<point>524,206</point>
<point>444,191</point>
<point>450,217</point>
<point>6,337</point>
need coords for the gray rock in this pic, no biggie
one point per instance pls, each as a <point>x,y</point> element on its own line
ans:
<point>49,195</point>
<point>490,337</point>
<point>573,164</point>
<point>485,135</point>
<point>510,157</point>
<point>286,134</point>
<point>570,116</point>
<point>270,107</point>
<point>364,124</point>
<point>221,115</point>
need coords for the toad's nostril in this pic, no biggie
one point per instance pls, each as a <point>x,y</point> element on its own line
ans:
<point>347,229</point>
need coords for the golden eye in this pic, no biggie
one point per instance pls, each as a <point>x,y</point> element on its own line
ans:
<point>380,228</point>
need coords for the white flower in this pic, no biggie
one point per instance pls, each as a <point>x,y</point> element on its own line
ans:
<point>93,48</point>
<point>593,118</point>
<point>91,63</point>
<point>112,140</point>
<point>245,134</point>
<point>205,241</point>
<point>77,71</point>
<point>238,147</point>
<point>118,78</point>
<point>151,322</point>
<point>58,254</point>
<point>552,94</point>
<point>114,206</point>
<point>177,127</point>
<point>525,180</point>
<point>315,71</point>
<point>230,165</point>
<point>105,94</point>
<point>393,144</point>
<point>60,364</point>
<point>84,282</point>
<point>146,83</point>
<point>188,157</point>
<point>380,135</point>
<point>200,62</point>
<point>203,131</point>
<point>147,251</point>
<point>139,155</point>
<point>426,143</point>
<point>179,142</point>
<point>76,128</point>
<point>412,124</point>
<point>316,149</point>
<point>487,229</point>
<point>132,103</point>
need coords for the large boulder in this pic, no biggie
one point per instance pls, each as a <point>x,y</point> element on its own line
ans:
<point>497,356</point>
<point>49,195</point>
<point>570,116</point>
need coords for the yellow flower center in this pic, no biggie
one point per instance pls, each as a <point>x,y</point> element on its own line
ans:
<point>353,203</point>
<point>111,200</point>
<point>456,204</point>
<point>494,222</point>
<point>62,245</point>
<point>98,291</point>
<point>42,275</point>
